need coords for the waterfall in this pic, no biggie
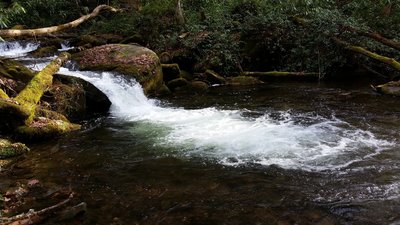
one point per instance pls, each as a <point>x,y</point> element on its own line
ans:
<point>16,49</point>
<point>229,137</point>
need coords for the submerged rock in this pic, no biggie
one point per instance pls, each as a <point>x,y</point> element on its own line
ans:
<point>139,62</point>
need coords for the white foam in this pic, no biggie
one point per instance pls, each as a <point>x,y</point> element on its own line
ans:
<point>230,138</point>
<point>16,49</point>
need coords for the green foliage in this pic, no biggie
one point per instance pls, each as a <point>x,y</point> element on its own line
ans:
<point>41,13</point>
<point>292,35</point>
<point>8,11</point>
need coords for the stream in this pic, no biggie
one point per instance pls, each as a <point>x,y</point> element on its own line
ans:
<point>277,153</point>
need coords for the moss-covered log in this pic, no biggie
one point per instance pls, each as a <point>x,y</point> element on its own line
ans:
<point>31,94</point>
<point>47,30</point>
<point>3,95</point>
<point>280,74</point>
<point>377,37</point>
<point>388,61</point>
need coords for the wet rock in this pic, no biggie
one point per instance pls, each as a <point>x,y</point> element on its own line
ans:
<point>165,58</point>
<point>243,80</point>
<point>214,77</point>
<point>76,98</point>
<point>185,74</point>
<point>42,128</point>
<point>45,51</point>
<point>139,62</point>
<point>12,69</point>
<point>9,149</point>
<point>199,86</point>
<point>390,88</point>
<point>176,83</point>
<point>170,71</point>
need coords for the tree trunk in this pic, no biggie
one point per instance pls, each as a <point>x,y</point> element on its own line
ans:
<point>389,61</point>
<point>53,29</point>
<point>179,13</point>
<point>376,37</point>
<point>29,97</point>
<point>280,74</point>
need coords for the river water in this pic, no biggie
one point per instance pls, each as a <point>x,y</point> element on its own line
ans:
<point>277,153</point>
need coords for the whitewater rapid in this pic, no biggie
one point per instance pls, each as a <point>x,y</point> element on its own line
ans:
<point>229,137</point>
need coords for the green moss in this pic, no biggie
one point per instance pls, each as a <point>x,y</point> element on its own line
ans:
<point>45,51</point>
<point>9,149</point>
<point>3,95</point>
<point>31,94</point>
<point>15,70</point>
<point>243,80</point>
<point>45,128</point>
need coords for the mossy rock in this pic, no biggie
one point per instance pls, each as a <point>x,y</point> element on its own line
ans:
<point>165,58</point>
<point>15,70</point>
<point>214,78</point>
<point>185,74</point>
<point>199,86</point>
<point>12,115</point>
<point>76,98</point>
<point>176,83</point>
<point>390,88</point>
<point>243,80</point>
<point>44,128</point>
<point>9,149</point>
<point>136,61</point>
<point>170,71</point>
<point>45,51</point>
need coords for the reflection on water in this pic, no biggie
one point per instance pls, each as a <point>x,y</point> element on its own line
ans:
<point>125,175</point>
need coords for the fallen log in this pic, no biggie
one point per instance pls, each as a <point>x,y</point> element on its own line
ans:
<point>3,95</point>
<point>388,61</point>
<point>12,33</point>
<point>373,35</point>
<point>280,74</point>
<point>29,97</point>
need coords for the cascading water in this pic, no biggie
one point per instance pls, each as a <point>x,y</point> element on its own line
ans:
<point>233,139</point>
<point>16,49</point>
<point>348,169</point>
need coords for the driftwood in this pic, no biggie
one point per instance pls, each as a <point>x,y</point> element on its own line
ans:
<point>32,216</point>
<point>47,30</point>
<point>388,61</point>
<point>279,74</point>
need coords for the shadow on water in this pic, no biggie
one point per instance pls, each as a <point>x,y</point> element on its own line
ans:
<point>126,178</point>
